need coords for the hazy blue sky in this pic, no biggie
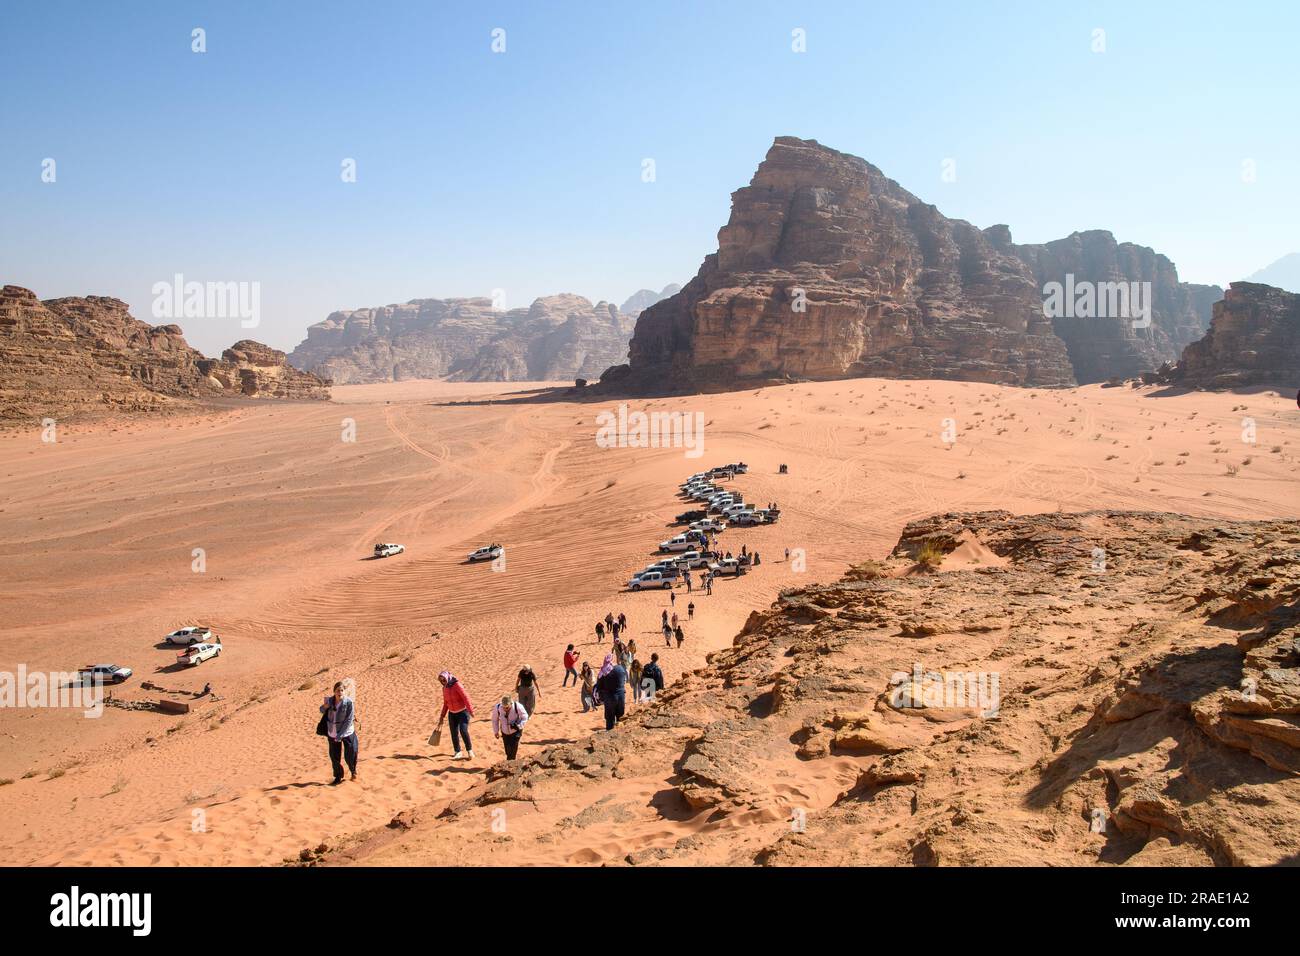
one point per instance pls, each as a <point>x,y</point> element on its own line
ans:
<point>522,170</point>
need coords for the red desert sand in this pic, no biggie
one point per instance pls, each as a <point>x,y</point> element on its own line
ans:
<point>99,533</point>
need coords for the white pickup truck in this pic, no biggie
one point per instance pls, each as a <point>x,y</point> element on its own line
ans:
<point>196,654</point>
<point>487,553</point>
<point>727,567</point>
<point>388,550</point>
<point>104,674</point>
<point>681,542</point>
<point>189,635</point>
<point>649,579</point>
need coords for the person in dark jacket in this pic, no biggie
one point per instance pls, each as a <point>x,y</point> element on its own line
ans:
<point>612,687</point>
<point>652,672</point>
<point>340,728</point>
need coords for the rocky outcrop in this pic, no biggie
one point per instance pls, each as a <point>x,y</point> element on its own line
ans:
<point>642,299</point>
<point>1106,346</point>
<point>828,269</point>
<point>1060,689</point>
<point>1254,339</point>
<point>79,354</point>
<point>557,338</point>
<point>258,371</point>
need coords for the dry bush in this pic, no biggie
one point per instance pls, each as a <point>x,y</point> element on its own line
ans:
<point>929,555</point>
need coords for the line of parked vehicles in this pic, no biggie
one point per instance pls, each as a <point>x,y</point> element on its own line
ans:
<point>690,550</point>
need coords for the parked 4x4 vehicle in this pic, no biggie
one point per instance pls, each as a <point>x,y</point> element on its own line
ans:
<point>649,579</point>
<point>681,542</point>
<point>104,673</point>
<point>727,567</point>
<point>708,524</point>
<point>189,635</point>
<point>196,654</point>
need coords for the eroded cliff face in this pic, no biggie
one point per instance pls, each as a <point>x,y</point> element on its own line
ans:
<point>258,371</point>
<point>1103,347</point>
<point>69,355</point>
<point>829,269</point>
<point>557,338</point>
<point>1254,339</point>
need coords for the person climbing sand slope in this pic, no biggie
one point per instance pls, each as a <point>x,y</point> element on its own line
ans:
<point>611,683</point>
<point>508,719</point>
<point>588,691</point>
<point>339,722</point>
<point>528,690</point>
<point>457,707</point>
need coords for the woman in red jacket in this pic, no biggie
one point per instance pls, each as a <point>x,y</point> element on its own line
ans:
<point>456,703</point>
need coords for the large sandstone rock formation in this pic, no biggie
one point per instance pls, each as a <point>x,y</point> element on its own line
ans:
<point>258,371</point>
<point>76,354</point>
<point>1254,339</point>
<point>829,269</point>
<point>558,337</point>
<point>1060,689</point>
<point>1105,347</point>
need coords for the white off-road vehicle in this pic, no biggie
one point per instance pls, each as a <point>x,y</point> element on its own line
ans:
<point>104,674</point>
<point>388,550</point>
<point>649,579</point>
<point>189,635</point>
<point>681,542</point>
<point>708,524</point>
<point>196,654</point>
<point>487,553</point>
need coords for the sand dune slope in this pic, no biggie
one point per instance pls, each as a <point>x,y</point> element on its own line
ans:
<point>99,531</point>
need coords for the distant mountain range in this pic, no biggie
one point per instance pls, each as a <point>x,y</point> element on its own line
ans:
<point>642,299</point>
<point>1284,274</point>
<point>557,338</point>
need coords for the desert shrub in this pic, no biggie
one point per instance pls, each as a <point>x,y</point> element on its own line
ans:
<point>929,555</point>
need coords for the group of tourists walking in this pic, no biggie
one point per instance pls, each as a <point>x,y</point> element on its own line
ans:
<point>509,714</point>
<point>606,687</point>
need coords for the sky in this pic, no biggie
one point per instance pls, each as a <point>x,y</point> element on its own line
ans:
<point>523,171</point>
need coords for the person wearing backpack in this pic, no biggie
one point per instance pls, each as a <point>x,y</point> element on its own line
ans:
<point>508,719</point>
<point>612,686</point>
<point>652,673</point>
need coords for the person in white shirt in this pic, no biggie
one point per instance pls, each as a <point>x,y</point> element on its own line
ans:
<point>508,719</point>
